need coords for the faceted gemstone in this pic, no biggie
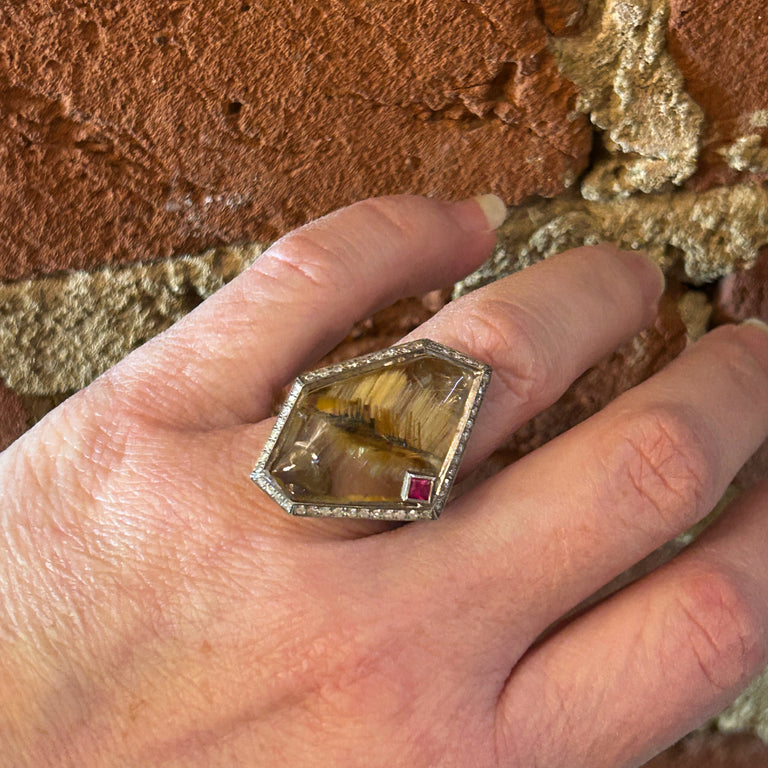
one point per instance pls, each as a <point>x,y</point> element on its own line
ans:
<point>358,437</point>
<point>419,488</point>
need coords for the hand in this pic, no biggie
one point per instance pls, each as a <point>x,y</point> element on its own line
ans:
<point>158,609</point>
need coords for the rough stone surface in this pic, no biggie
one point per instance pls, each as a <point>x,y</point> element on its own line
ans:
<point>749,711</point>
<point>719,46</point>
<point>634,92</point>
<point>707,235</point>
<point>747,153</point>
<point>137,130</point>
<point>562,17</point>
<point>58,333</point>
<point>710,749</point>
<point>695,311</point>
<point>13,417</point>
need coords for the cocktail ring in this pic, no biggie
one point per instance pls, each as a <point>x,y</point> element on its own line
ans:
<point>380,436</point>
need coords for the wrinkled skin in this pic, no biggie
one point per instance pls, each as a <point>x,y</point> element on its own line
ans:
<point>158,609</point>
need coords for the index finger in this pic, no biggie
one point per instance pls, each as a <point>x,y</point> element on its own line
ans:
<point>226,361</point>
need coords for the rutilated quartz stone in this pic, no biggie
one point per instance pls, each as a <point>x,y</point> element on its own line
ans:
<point>356,440</point>
<point>380,436</point>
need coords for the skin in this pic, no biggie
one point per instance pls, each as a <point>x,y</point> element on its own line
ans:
<point>158,609</point>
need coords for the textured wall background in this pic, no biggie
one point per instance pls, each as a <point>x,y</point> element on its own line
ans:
<point>149,151</point>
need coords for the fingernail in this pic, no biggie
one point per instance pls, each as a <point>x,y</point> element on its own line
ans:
<point>494,209</point>
<point>484,213</point>
<point>757,322</point>
<point>648,272</point>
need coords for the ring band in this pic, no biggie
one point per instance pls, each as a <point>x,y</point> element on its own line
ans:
<point>380,436</point>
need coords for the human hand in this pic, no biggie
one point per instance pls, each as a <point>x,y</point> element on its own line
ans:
<point>158,609</point>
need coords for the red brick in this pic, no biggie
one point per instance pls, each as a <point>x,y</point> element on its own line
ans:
<point>13,418</point>
<point>742,295</point>
<point>142,129</point>
<point>562,17</point>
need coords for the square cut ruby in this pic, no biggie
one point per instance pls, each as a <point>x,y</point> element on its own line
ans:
<point>420,489</point>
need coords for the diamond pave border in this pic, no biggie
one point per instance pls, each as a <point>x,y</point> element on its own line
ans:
<point>402,511</point>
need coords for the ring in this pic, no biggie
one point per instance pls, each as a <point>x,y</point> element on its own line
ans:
<point>380,436</point>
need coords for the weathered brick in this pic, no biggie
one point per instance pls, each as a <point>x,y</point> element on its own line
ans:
<point>562,17</point>
<point>135,130</point>
<point>13,417</point>
<point>744,294</point>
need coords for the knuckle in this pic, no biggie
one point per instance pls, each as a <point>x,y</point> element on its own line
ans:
<point>301,261</point>
<point>386,214</point>
<point>499,334</point>
<point>720,627</point>
<point>664,466</point>
<point>342,673</point>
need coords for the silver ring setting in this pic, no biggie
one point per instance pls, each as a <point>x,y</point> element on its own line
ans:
<point>377,437</point>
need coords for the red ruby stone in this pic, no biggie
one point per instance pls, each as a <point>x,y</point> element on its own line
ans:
<point>419,489</point>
